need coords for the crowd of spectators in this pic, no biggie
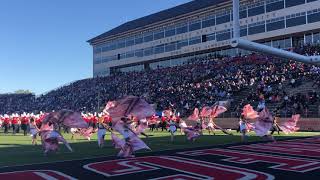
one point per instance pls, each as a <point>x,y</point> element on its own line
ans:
<point>199,82</point>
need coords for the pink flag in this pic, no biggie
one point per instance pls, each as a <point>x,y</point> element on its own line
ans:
<point>206,111</point>
<point>138,144</point>
<point>127,148</point>
<point>119,126</point>
<point>249,113</point>
<point>87,132</point>
<point>290,126</point>
<point>195,115</point>
<point>117,142</point>
<point>50,140</point>
<point>66,117</point>
<point>131,106</point>
<point>141,127</point>
<point>191,133</point>
<point>46,127</point>
<point>217,110</point>
<point>167,113</point>
<point>183,125</point>
<point>109,105</point>
<point>250,126</point>
<point>263,123</point>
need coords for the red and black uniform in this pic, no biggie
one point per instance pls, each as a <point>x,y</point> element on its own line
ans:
<point>15,125</point>
<point>93,121</point>
<point>24,124</point>
<point>153,122</point>
<point>6,123</point>
<point>40,119</point>
<point>108,120</point>
<point>164,123</point>
<point>86,119</point>
<point>178,119</point>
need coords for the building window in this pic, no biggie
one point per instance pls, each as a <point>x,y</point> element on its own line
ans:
<point>296,19</point>
<point>243,14</point>
<point>113,46</point>
<point>181,44</point>
<point>278,44</point>
<point>148,37</point>
<point>211,37</point>
<point>268,43</point>
<point>159,49</point>
<point>158,35</point>
<point>314,16</point>
<point>139,53</point>
<point>170,32</point>
<point>256,11</point>
<point>138,40</point>
<point>121,44</point>
<point>274,24</point>
<point>274,5</point>
<point>210,21</point>
<point>316,38</point>
<point>182,28</point>
<point>122,56</point>
<point>223,35</point>
<point>195,25</point>
<point>243,31</point>
<point>223,19</point>
<point>287,43</point>
<point>170,47</point>
<point>135,68</point>
<point>105,48</point>
<point>148,51</point>
<point>195,40</point>
<point>290,3</point>
<point>130,54</point>
<point>308,39</point>
<point>130,42</point>
<point>256,28</point>
<point>97,61</point>
<point>97,50</point>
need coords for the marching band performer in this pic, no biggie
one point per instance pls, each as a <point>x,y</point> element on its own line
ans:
<point>33,131</point>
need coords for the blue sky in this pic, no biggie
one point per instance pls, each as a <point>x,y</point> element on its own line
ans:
<point>43,42</point>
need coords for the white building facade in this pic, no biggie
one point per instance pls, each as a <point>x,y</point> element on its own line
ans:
<point>202,27</point>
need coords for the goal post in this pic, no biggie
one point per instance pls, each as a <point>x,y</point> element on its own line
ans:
<point>238,42</point>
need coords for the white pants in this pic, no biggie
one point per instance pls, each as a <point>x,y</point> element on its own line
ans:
<point>172,128</point>
<point>101,133</point>
<point>33,131</point>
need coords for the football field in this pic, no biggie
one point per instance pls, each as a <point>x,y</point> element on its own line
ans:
<point>217,156</point>
<point>17,149</point>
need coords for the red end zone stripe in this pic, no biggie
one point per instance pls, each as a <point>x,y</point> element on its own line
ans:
<point>299,145</point>
<point>35,175</point>
<point>283,163</point>
<point>280,149</point>
<point>196,168</point>
<point>178,176</point>
<point>314,140</point>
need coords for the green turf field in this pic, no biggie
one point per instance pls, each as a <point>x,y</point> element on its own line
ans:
<point>17,150</point>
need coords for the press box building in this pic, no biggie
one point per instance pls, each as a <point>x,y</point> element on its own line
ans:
<point>201,27</point>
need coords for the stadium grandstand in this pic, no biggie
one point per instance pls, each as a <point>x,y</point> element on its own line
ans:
<point>182,58</point>
<point>202,27</point>
<point>191,92</point>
